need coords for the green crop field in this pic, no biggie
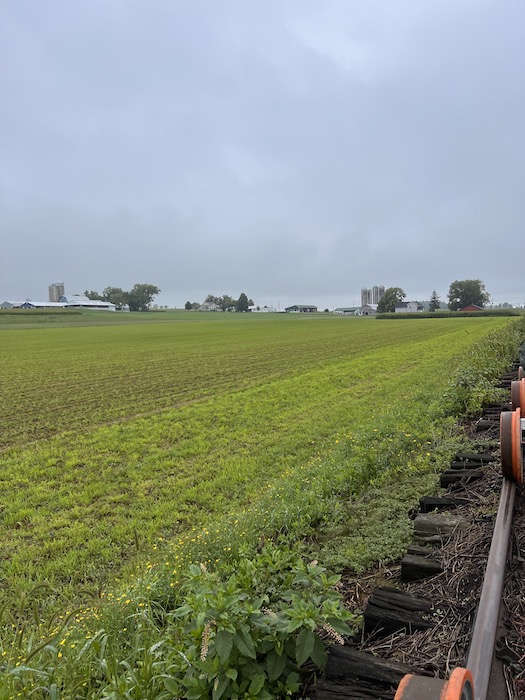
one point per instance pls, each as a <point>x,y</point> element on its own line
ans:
<point>150,428</point>
<point>134,445</point>
<point>79,378</point>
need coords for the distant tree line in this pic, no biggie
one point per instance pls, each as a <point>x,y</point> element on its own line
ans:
<point>224,303</point>
<point>467,293</point>
<point>461,293</point>
<point>138,299</point>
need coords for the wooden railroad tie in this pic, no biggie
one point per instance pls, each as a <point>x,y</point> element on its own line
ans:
<point>360,676</point>
<point>390,610</point>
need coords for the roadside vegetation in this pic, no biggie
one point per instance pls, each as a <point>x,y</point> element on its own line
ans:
<point>171,530</point>
<point>446,313</point>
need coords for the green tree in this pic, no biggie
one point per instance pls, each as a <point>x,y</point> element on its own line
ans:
<point>466,292</point>
<point>141,296</point>
<point>188,306</point>
<point>227,303</point>
<point>435,304</point>
<point>242,302</point>
<point>92,295</point>
<point>115,295</point>
<point>391,297</point>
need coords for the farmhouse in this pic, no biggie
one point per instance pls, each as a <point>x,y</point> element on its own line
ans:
<point>208,306</point>
<point>408,307</point>
<point>301,309</point>
<point>471,307</point>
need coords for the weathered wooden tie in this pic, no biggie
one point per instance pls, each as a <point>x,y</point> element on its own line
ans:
<point>436,528</point>
<point>390,609</point>
<point>428,504</point>
<point>415,567</point>
<point>476,457</point>
<point>357,675</point>
<point>465,476</point>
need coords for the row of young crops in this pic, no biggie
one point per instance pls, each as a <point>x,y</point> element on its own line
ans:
<point>76,378</point>
<point>191,443</point>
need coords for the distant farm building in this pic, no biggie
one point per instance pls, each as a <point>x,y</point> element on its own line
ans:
<point>75,301</point>
<point>11,304</point>
<point>301,309</point>
<point>472,307</point>
<point>208,306</point>
<point>409,307</point>
<point>80,301</point>
<point>42,305</point>
<point>367,310</point>
<point>346,310</point>
<point>56,290</point>
<point>372,296</point>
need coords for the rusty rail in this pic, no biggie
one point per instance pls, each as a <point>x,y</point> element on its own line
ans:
<point>481,650</point>
<point>472,682</point>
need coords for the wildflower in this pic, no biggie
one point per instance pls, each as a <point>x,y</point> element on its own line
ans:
<point>205,640</point>
<point>331,633</point>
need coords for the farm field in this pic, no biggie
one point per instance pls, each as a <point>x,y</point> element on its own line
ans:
<point>131,432</point>
<point>57,379</point>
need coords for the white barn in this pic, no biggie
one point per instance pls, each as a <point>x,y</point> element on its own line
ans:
<point>83,302</point>
<point>408,307</point>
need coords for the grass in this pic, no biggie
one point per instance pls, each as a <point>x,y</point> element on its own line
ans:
<point>322,419</point>
<point>78,378</point>
<point>154,429</point>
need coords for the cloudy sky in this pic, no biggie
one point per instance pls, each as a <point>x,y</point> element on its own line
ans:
<point>296,150</point>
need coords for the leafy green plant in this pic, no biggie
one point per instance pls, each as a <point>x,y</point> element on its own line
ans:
<point>249,635</point>
<point>475,383</point>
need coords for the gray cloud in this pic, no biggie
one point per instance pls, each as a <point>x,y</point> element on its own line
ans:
<point>293,150</point>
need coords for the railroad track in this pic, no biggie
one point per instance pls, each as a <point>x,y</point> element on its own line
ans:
<point>472,681</point>
<point>389,609</point>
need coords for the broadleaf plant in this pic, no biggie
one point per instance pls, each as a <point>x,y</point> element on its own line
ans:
<point>245,639</point>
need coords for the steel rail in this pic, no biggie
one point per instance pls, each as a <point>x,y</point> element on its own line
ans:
<point>472,682</point>
<point>479,660</point>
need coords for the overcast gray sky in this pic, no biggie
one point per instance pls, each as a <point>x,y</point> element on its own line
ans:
<point>296,150</point>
